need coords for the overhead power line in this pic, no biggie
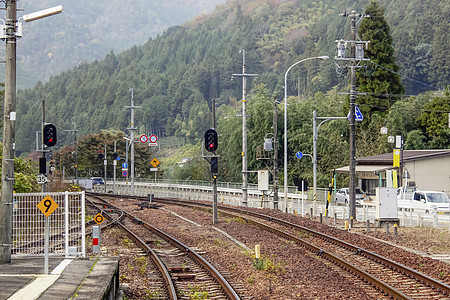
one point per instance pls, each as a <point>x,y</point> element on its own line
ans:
<point>405,77</point>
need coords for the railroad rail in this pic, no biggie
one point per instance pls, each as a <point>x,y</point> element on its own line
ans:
<point>401,287</point>
<point>167,266</point>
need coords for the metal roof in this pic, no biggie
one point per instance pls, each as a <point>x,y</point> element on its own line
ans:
<point>408,155</point>
<point>366,168</point>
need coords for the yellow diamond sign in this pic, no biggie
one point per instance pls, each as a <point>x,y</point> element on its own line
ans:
<point>155,163</point>
<point>99,218</point>
<point>47,206</point>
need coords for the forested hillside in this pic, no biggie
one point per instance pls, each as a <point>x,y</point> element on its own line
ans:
<point>176,74</point>
<point>88,30</point>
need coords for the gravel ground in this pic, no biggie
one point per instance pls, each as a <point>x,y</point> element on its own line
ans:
<point>286,270</point>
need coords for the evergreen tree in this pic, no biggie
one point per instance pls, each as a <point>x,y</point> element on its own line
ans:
<point>382,85</point>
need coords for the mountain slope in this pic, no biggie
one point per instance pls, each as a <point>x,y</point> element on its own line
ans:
<point>175,75</point>
<point>88,30</point>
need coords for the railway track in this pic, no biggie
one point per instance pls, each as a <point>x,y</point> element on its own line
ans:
<point>388,277</point>
<point>180,270</point>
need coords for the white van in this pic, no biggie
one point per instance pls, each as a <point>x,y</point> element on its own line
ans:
<point>426,201</point>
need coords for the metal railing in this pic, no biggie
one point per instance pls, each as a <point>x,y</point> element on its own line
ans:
<point>66,224</point>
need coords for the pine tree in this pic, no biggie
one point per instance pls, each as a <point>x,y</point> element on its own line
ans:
<point>382,85</point>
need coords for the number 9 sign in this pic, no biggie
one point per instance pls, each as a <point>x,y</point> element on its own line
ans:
<point>47,206</point>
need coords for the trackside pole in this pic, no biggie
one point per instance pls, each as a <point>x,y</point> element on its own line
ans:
<point>46,244</point>
<point>215,215</point>
<point>96,239</point>
<point>66,223</point>
<point>303,198</point>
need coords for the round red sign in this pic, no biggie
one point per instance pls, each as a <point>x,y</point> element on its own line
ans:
<point>143,139</point>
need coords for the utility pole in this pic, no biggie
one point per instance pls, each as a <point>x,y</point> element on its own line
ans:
<point>132,129</point>
<point>352,143</point>
<point>9,118</point>
<point>356,56</point>
<point>244,128</point>
<point>275,155</point>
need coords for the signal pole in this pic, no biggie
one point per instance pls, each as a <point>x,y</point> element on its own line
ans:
<point>214,164</point>
<point>244,128</point>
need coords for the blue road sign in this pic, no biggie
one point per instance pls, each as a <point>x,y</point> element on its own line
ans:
<point>124,173</point>
<point>118,158</point>
<point>299,154</point>
<point>358,114</point>
<point>124,165</point>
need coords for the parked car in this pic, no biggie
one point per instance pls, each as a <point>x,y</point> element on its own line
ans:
<point>97,180</point>
<point>427,201</point>
<point>406,192</point>
<point>343,196</point>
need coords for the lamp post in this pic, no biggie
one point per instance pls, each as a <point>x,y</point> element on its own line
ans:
<point>12,30</point>
<point>285,123</point>
<point>315,135</point>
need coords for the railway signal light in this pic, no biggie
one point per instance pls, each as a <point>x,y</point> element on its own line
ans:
<point>299,181</point>
<point>42,165</point>
<point>49,133</point>
<point>211,140</point>
<point>214,165</point>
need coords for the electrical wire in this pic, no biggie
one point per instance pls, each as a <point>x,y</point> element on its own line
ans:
<point>405,77</point>
<point>403,108</point>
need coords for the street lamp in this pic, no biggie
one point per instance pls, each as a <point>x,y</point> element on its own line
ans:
<point>10,32</point>
<point>285,123</point>
<point>315,135</point>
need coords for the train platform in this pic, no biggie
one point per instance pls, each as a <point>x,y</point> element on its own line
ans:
<point>77,278</point>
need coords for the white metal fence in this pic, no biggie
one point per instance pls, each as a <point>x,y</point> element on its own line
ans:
<point>66,230</point>
<point>229,193</point>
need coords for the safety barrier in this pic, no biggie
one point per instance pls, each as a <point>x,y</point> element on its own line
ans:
<point>231,193</point>
<point>66,223</point>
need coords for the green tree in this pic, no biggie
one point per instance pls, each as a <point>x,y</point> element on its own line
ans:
<point>382,85</point>
<point>434,121</point>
